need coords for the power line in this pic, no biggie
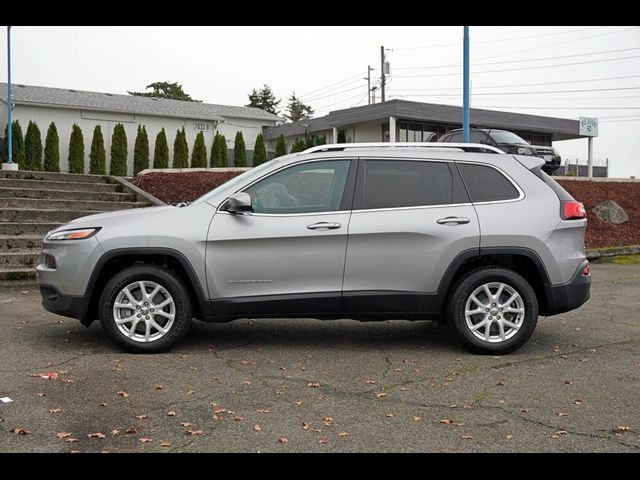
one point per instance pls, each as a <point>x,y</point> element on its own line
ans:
<point>324,107</point>
<point>330,85</point>
<point>558,44</point>
<point>525,84</point>
<point>500,39</point>
<point>358,87</point>
<point>530,92</point>
<point>519,61</point>
<point>559,108</point>
<point>520,68</point>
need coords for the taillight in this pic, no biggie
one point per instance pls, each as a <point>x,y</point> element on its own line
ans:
<point>586,271</point>
<point>572,210</point>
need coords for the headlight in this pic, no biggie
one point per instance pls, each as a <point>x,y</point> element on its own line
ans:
<point>523,151</point>
<point>74,234</point>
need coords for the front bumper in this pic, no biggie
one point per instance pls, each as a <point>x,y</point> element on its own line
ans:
<point>569,296</point>
<point>66,305</point>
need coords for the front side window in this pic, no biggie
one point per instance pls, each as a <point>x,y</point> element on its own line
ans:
<point>400,183</point>
<point>306,188</point>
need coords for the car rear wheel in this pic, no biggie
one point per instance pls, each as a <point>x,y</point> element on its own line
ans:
<point>493,311</point>
<point>145,308</point>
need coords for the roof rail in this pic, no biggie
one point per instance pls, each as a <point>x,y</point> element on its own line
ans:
<point>435,145</point>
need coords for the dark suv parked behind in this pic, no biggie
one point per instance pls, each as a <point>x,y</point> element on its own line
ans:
<point>508,142</point>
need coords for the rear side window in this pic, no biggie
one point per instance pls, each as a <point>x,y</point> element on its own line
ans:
<point>562,194</point>
<point>486,184</point>
<point>399,183</point>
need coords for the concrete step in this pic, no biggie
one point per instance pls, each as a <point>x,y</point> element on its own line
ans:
<point>54,185</point>
<point>91,205</point>
<point>9,243</point>
<point>55,177</point>
<point>28,228</point>
<point>48,216</point>
<point>15,192</point>
<point>12,274</point>
<point>22,259</point>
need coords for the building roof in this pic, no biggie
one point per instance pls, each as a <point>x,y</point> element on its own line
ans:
<point>559,128</point>
<point>68,98</point>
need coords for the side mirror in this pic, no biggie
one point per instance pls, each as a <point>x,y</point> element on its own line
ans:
<point>239,203</point>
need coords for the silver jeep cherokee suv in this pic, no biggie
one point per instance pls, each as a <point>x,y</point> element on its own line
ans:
<point>484,242</point>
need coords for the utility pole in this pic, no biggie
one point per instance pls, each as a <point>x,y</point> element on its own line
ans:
<point>369,83</point>
<point>382,78</point>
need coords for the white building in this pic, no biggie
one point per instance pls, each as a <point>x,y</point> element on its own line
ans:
<point>65,107</point>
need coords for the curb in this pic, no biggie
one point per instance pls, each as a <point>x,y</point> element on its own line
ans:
<point>138,191</point>
<point>593,253</point>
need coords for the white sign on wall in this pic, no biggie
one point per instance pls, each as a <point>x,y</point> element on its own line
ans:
<point>589,126</point>
<point>201,126</point>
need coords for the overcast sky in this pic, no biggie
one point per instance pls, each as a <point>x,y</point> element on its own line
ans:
<point>326,67</point>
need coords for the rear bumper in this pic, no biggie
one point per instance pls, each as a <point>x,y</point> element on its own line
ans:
<point>65,305</point>
<point>569,296</point>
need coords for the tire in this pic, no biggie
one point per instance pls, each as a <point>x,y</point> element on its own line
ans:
<point>468,316</point>
<point>157,325</point>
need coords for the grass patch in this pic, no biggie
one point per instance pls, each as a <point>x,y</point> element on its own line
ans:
<point>619,260</point>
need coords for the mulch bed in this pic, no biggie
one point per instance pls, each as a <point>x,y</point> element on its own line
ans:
<point>174,188</point>
<point>601,233</point>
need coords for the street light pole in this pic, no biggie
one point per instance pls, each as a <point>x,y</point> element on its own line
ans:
<point>9,165</point>
<point>465,86</point>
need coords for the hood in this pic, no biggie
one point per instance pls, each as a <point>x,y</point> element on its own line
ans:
<point>94,220</point>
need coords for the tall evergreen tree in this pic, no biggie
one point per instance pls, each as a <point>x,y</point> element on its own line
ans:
<point>281,146</point>
<point>98,155</point>
<point>76,150</point>
<point>264,99</point>
<point>172,91</point>
<point>296,110</point>
<point>180,150</point>
<point>199,153</point>
<point>52,150</point>
<point>342,136</point>
<point>219,151</point>
<point>161,151</point>
<point>33,148</point>
<point>259,151</point>
<point>118,165</point>
<point>321,140</point>
<point>239,151</point>
<point>299,145</point>
<point>17,143</point>
<point>141,151</point>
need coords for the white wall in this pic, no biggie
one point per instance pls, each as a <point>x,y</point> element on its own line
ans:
<point>87,120</point>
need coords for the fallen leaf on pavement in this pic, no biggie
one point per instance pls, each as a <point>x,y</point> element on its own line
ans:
<point>185,424</point>
<point>560,432</point>
<point>343,434</point>
<point>555,436</point>
<point>313,384</point>
<point>55,410</point>
<point>577,401</point>
<point>41,394</point>
<point>263,410</point>
<point>122,393</point>
<point>171,413</point>
<point>404,389</point>
<point>103,404</point>
<point>562,414</point>
<point>67,380</point>
<point>189,392</point>
<point>131,430</point>
<point>193,432</point>
<point>446,421</point>
<point>74,451</point>
<point>524,410</point>
<point>509,437</point>
<point>298,402</point>
<point>115,432</point>
<point>322,440</point>
<point>467,437</point>
<point>96,435</point>
<point>317,430</point>
<point>165,444</point>
<point>257,427</point>
<point>389,414</point>
<point>327,421</point>
<point>380,394</point>
<point>416,418</point>
<point>158,387</point>
<point>219,410</point>
<point>246,362</point>
<point>237,418</point>
<point>371,382</point>
<point>145,440</point>
<point>623,428</point>
<point>63,434</point>
<point>305,426</point>
<point>283,440</point>
<point>141,417</point>
<point>458,424</point>
<point>71,440</point>
<point>500,383</point>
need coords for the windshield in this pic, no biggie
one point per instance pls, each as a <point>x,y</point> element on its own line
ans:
<point>255,171</point>
<point>503,136</point>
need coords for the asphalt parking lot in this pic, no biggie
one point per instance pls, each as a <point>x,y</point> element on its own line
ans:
<point>313,386</point>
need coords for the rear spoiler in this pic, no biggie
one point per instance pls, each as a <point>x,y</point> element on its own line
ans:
<point>529,162</point>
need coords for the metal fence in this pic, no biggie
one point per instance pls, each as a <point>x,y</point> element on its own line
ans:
<point>577,167</point>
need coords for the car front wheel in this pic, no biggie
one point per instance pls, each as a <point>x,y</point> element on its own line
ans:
<point>493,311</point>
<point>145,309</point>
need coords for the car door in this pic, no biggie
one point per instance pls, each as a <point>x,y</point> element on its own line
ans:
<point>410,219</point>
<point>287,255</point>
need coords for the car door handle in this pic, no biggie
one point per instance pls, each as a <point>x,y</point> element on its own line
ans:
<point>453,220</point>
<point>324,225</point>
